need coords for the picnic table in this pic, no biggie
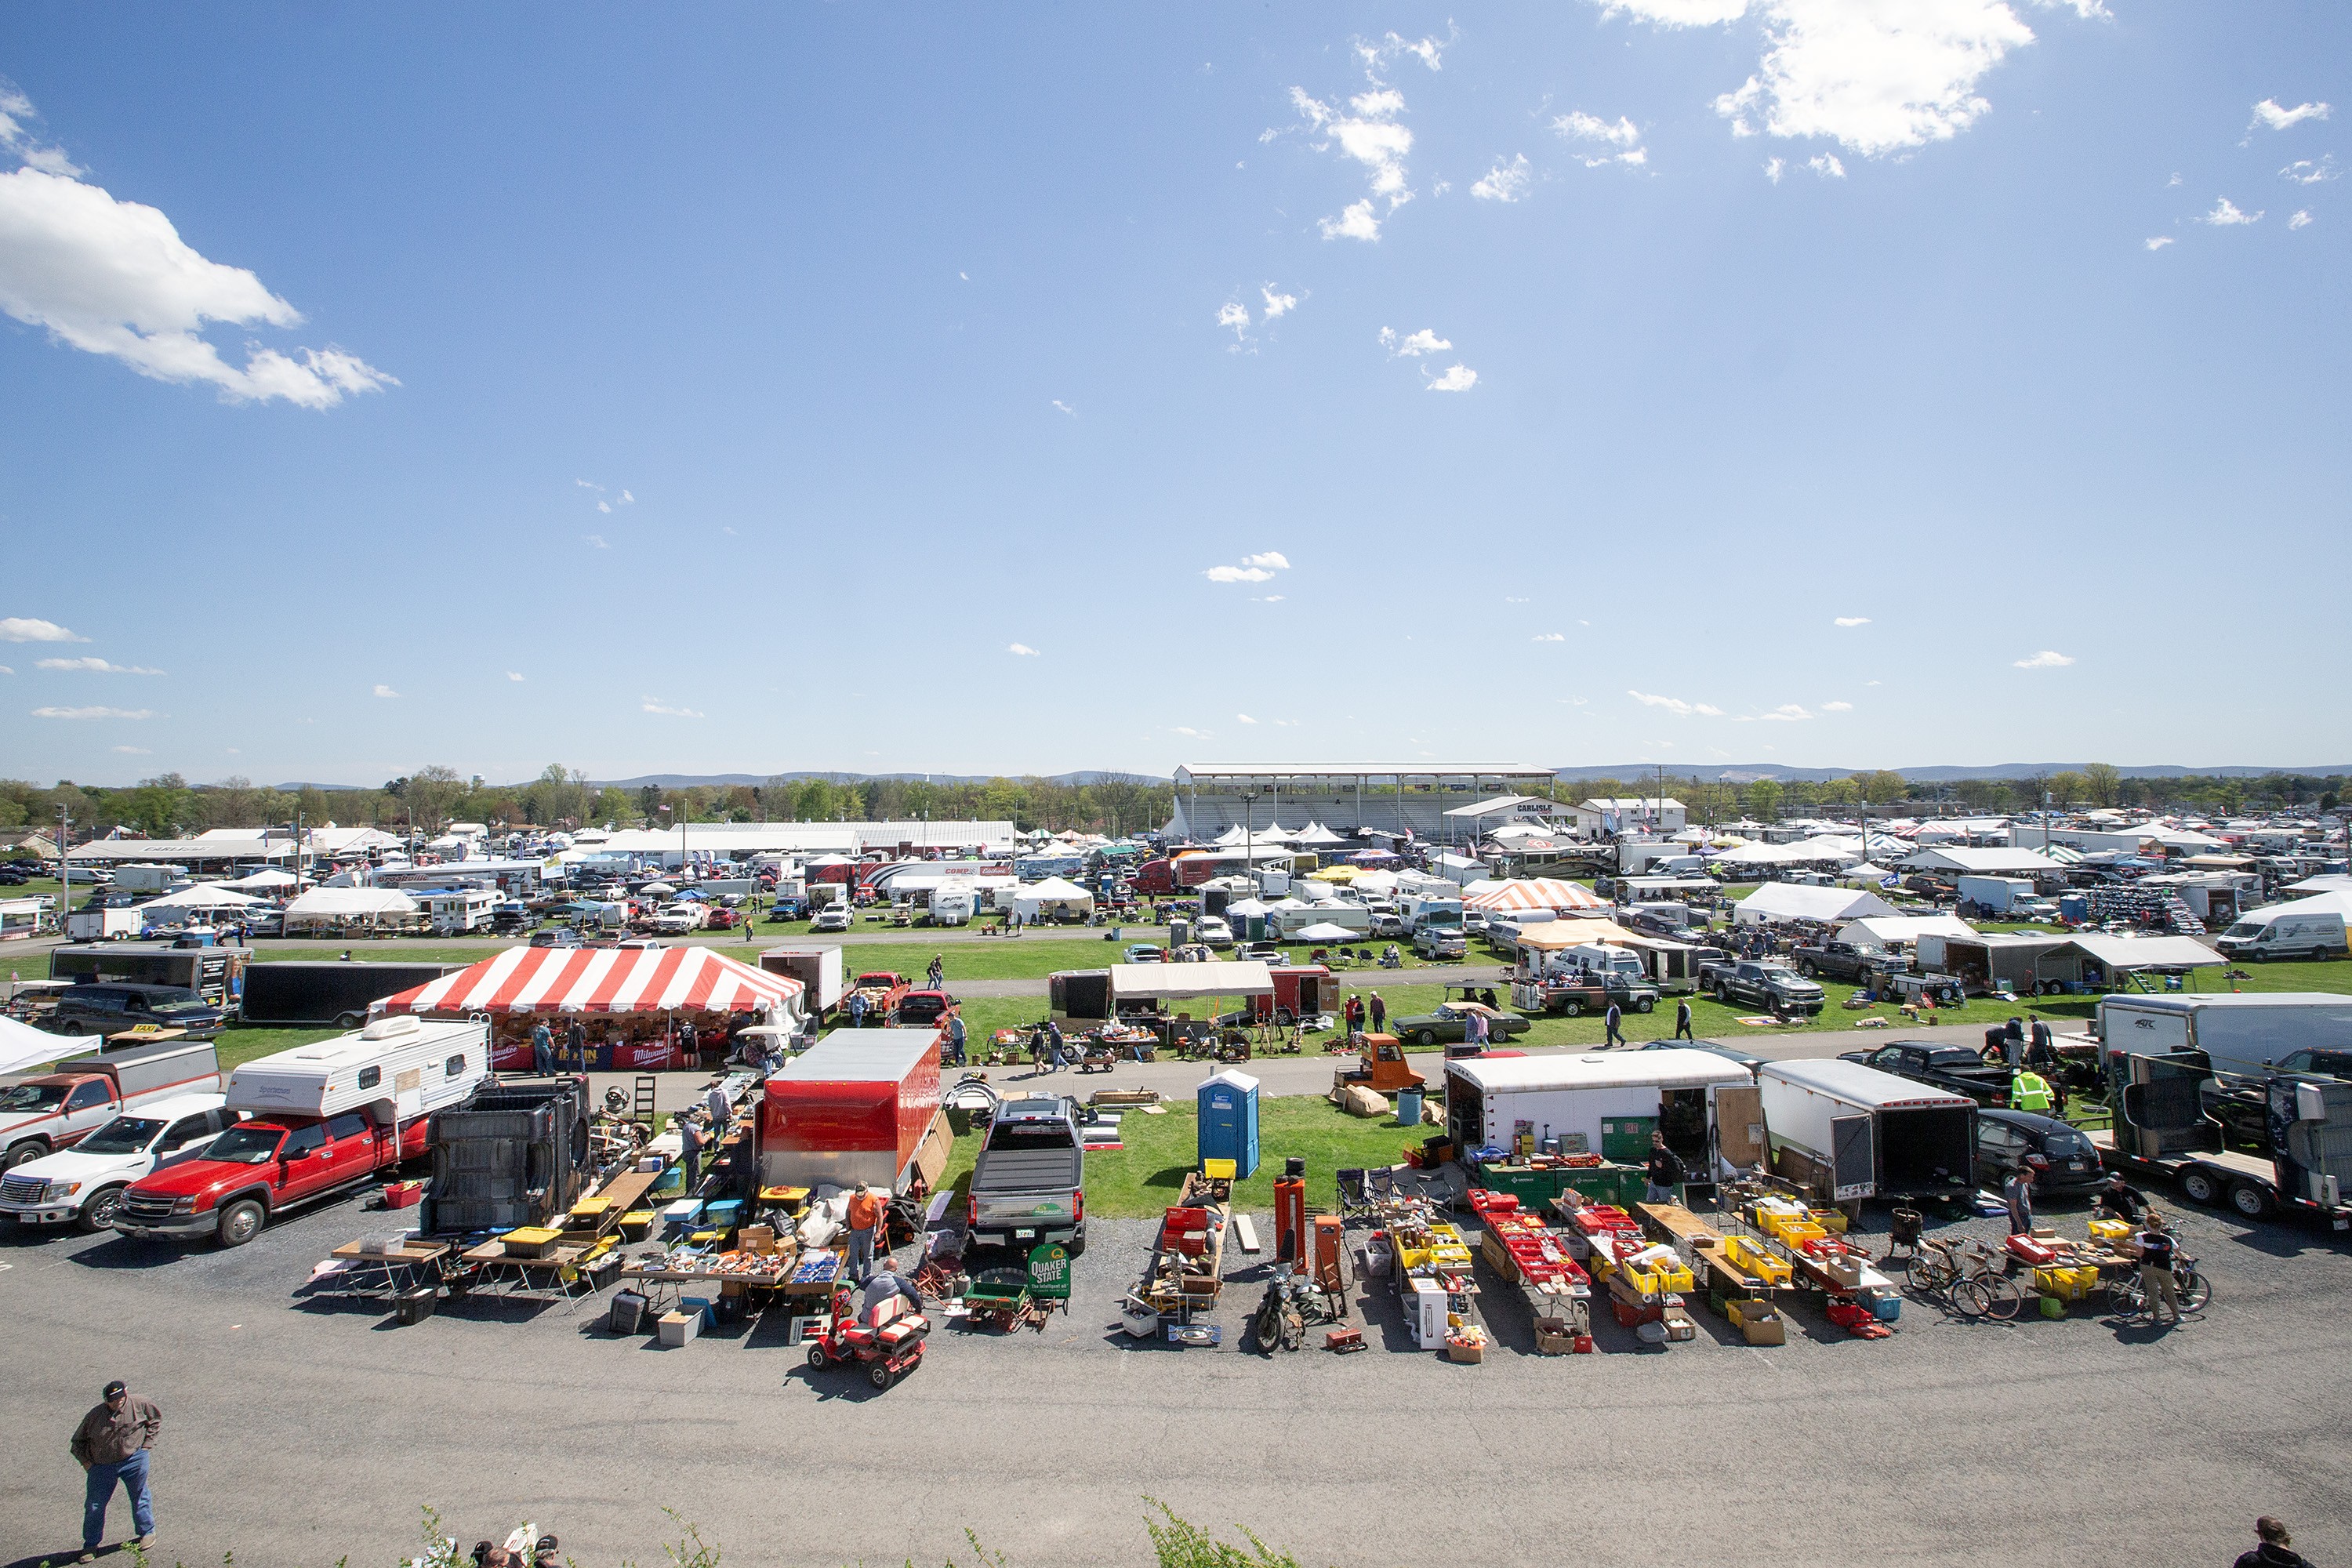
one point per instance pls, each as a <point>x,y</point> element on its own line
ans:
<point>366,1273</point>
<point>505,1274</point>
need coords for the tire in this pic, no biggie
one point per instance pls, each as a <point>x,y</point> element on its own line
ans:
<point>1076,1245</point>
<point>99,1213</point>
<point>1426,1038</point>
<point>879,1374</point>
<point>2003,1296</point>
<point>350,1020</point>
<point>2197,1294</point>
<point>1645,1004</point>
<point>1808,972</point>
<point>1570,1008</point>
<point>1971,1298</point>
<point>1285,1017</point>
<point>30,1149</point>
<point>2198,1187</point>
<point>240,1222</point>
<point>818,1361</point>
<point>72,1027</point>
<point>2250,1200</point>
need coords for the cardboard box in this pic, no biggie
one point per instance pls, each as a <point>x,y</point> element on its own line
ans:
<point>1554,1336</point>
<point>1844,1269</point>
<point>677,1328</point>
<point>1468,1352</point>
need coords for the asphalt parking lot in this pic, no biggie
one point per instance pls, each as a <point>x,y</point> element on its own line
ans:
<point>299,1431</point>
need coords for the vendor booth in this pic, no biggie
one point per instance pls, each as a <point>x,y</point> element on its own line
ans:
<point>1605,1104</point>
<point>633,1003</point>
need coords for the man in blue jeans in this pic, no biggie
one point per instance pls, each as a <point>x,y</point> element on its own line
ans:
<point>110,1445</point>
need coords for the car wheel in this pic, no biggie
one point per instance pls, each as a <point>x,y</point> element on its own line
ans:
<point>71,1027</point>
<point>351,1020</point>
<point>1078,1242</point>
<point>1808,971</point>
<point>240,1222</point>
<point>1570,1008</point>
<point>2198,1187</point>
<point>817,1358</point>
<point>1645,1004</point>
<point>2250,1200</point>
<point>31,1149</point>
<point>1426,1038</point>
<point>99,1213</point>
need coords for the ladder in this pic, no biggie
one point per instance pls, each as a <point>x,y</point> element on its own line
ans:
<point>641,1101</point>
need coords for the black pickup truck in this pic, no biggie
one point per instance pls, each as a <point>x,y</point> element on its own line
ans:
<point>1767,983</point>
<point>1843,961</point>
<point>1954,1068</point>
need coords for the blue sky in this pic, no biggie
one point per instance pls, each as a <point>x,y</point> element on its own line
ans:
<point>747,389</point>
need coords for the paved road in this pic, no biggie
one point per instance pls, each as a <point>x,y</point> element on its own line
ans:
<point>297,1431</point>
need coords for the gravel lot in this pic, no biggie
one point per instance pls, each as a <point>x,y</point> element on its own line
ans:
<point>299,1431</point>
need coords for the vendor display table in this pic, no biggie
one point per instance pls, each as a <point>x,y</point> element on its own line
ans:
<point>557,1274</point>
<point>383,1274</point>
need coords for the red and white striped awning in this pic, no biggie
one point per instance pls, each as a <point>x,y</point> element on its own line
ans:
<point>1535,893</point>
<point>600,980</point>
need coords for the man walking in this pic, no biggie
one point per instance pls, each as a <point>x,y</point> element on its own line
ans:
<point>1616,1021</point>
<point>955,1039</point>
<point>543,1049</point>
<point>690,1150</point>
<point>1682,1021</point>
<point>576,1040</point>
<point>1380,1014</point>
<point>937,972</point>
<point>2155,1245</point>
<point>2018,1192</point>
<point>110,1445</point>
<point>858,1006</point>
<point>865,1217</point>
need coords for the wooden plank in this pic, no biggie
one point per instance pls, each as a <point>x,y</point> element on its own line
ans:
<point>1248,1232</point>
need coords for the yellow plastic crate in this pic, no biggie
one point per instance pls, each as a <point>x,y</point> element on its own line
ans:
<point>2066,1284</point>
<point>2110,1230</point>
<point>591,1208</point>
<point>1751,1258</point>
<point>1830,1220</point>
<point>1659,1280</point>
<point>1794,1234</point>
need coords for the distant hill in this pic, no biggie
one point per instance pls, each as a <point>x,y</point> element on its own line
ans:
<point>1746,773</point>
<point>691,781</point>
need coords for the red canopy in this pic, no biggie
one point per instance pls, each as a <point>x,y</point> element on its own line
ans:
<point>600,980</point>
<point>1537,893</point>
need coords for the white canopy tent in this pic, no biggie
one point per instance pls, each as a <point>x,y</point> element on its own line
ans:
<point>22,1045</point>
<point>268,880</point>
<point>201,896</point>
<point>2123,954</point>
<point>1776,901</point>
<point>341,906</point>
<point>1866,875</point>
<point>1901,930</point>
<point>1186,981</point>
<point>1050,895</point>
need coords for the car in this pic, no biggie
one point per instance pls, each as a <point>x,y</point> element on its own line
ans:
<point>1213,931</point>
<point>833,917</point>
<point>1144,953</point>
<point>1387,922</point>
<point>557,936</point>
<point>108,1006</point>
<point>921,1009</point>
<point>13,876</point>
<point>1262,952</point>
<point>649,943</point>
<point>83,1185</point>
<point>2008,1139</point>
<point>1768,984</point>
<point>1450,1021</point>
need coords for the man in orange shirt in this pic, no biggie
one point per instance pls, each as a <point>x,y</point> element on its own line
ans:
<point>865,1210</point>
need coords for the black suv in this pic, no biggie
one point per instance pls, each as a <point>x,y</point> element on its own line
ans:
<point>109,1007</point>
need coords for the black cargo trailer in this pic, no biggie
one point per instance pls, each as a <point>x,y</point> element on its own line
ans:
<point>329,995</point>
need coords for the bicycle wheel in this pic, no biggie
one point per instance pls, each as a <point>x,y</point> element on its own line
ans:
<point>1970,1298</point>
<point>1926,1281</point>
<point>2124,1298</point>
<point>2004,1298</point>
<point>2195,1294</point>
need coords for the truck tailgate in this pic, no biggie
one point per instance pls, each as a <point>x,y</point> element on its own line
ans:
<point>1021,1183</point>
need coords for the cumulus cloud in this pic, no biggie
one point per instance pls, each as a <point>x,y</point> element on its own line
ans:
<point>655,705</point>
<point>95,666</point>
<point>1827,167</point>
<point>1675,705</point>
<point>6,670</point>
<point>2045,659</point>
<point>1355,222</point>
<point>114,277</point>
<point>1787,713</point>
<point>1365,129</point>
<point>1620,141</point>
<point>1188,730</point>
<point>1837,707</point>
<point>2157,241</point>
<point>2268,112</point>
<point>139,751</point>
<point>514,674</point>
<point>1238,574</point>
<point>2310,171</point>
<point>1392,49</point>
<point>1023,650</point>
<point>1423,342</point>
<point>1057,402</point>
<point>1457,378</point>
<point>93,713</point>
<point>1276,304</point>
<point>2226,214</point>
<point>1245,719</point>
<point>19,628</point>
<point>1550,637</point>
<point>1850,621</point>
<point>1505,182</point>
<point>2302,219</point>
<point>1274,558</point>
<point>383,690</point>
<point>1773,168</point>
<point>1235,318</point>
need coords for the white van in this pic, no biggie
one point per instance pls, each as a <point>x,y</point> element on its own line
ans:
<point>2285,931</point>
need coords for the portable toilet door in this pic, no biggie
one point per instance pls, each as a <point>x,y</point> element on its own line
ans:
<point>1227,1104</point>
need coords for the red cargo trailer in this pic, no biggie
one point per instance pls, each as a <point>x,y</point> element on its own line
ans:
<point>861,1105</point>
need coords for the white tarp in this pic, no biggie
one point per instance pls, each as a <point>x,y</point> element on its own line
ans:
<point>1893,930</point>
<point>1796,901</point>
<point>22,1045</point>
<point>203,896</point>
<point>2122,952</point>
<point>1179,981</point>
<point>348,903</point>
<point>270,880</point>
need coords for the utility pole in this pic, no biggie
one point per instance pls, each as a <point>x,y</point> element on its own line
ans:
<point>65,868</point>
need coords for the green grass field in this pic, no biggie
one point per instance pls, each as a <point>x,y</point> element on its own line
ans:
<point>1141,1180</point>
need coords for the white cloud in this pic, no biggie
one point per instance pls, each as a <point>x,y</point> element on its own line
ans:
<point>1355,222</point>
<point>2268,112</point>
<point>1787,713</point>
<point>655,705</point>
<point>1875,78</point>
<point>1514,599</point>
<point>383,690</point>
<point>114,277</point>
<point>1505,182</point>
<point>1023,650</point>
<point>1245,719</point>
<point>2302,219</point>
<point>16,140</point>
<point>596,540</point>
<point>2311,172</point>
<point>1458,378</point>
<point>1188,730</point>
<point>1266,599</point>
<point>1423,342</point>
<point>93,713</point>
<point>1274,558</point>
<point>1393,48</point>
<point>1837,707</point>
<point>1058,403</point>
<point>19,628</point>
<point>137,751</point>
<point>2157,241</point>
<point>96,665</point>
<point>514,674</point>
<point>1550,637</point>
<point>1827,167</point>
<point>1675,705</point>
<point>1238,574</point>
<point>1622,135</point>
<point>2045,659</point>
<point>1276,304</point>
<point>2225,214</point>
<point>1851,621</point>
<point>6,670</point>
<point>1772,169</point>
<point>1235,317</point>
<point>605,507</point>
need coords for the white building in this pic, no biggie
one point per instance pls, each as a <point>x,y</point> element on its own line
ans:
<point>1613,815</point>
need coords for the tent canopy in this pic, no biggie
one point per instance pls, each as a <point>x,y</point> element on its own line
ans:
<point>2122,952</point>
<point>1889,930</point>
<point>22,1045</point>
<point>1176,982</point>
<point>1535,893</point>
<point>203,896</point>
<point>1325,932</point>
<point>1796,901</point>
<point>348,903</point>
<point>601,980</point>
<point>267,880</point>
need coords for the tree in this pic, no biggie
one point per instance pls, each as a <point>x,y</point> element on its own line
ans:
<point>1840,792</point>
<point>2067,787</point>
<point>431,791</point>
<point>1882,787</point>
<point>2103,782</point>
<point>1762,799</point>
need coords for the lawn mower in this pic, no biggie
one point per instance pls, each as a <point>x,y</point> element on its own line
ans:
<point>889,1341</point>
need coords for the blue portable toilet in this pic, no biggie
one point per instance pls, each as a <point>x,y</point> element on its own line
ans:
<point>1228,1116</point>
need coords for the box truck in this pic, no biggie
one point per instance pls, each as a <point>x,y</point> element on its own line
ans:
<point>819,971</point>
<point>1846,1133</point>
<point>2245,1032</point>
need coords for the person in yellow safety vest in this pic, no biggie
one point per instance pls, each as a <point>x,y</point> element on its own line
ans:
<point>2030,1091</point>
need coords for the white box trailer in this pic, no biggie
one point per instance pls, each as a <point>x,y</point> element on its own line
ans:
<point>1608,1103</point>
<point>817,968</point>
<point>396,1069</point>
<point>1846,1133</point>
<point>2242,1033</point>
<point>105,925</point>
<point>952,903</point>
<point>1282,925</point>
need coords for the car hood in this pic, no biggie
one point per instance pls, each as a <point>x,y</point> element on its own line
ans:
<point>198,1176</point>
<point>71,1166</point>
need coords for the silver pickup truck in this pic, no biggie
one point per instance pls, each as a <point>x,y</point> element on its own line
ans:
<point>1028,1185</point>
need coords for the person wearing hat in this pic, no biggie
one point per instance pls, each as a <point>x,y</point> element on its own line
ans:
<point>2154,1248</point>
<point>864,1217</point>
<point>110,1445</point>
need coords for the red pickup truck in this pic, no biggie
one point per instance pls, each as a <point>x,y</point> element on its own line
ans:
<point>883,990</point>
<point>257,1168</point>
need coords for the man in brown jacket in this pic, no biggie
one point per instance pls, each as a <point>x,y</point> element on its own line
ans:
<point>110,1445</point>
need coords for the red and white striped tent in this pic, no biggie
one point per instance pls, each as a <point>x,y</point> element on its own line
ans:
<point>601,980</point>
<point>1534,893</point>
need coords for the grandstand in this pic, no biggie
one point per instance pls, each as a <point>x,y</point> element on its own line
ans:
<point>1343,796</point>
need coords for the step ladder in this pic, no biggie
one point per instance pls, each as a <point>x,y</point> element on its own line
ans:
<point>641,1100</point>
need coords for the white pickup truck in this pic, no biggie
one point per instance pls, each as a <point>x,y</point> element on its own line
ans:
<point>85,1184</point>
<point>39,1116</point>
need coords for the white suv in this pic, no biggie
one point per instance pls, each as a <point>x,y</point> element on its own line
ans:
<point>85,1183</point>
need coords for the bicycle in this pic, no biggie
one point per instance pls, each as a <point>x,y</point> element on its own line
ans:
<point>2128,1296</point>
<point>1967,1277</point>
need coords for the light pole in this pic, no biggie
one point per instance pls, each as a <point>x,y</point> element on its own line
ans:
<point>64,868</point>
<point>1249,832</point>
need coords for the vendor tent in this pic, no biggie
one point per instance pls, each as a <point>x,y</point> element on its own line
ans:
<point>201,896</point>
<point>1053,895</point>
<point>1179,982</point>
<point>2122,955</point>
<point>601,979</point>
<point>1901,930</point>
<point>1555,936</point>
<point>22,1045</point>
<point>1794,901</point>
<point>1534,893</point>
<point>1961,861</point>
<point>1324,931</point>
<point>267,880</point>
<point>334,907</point>
<point>1866,875</point>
